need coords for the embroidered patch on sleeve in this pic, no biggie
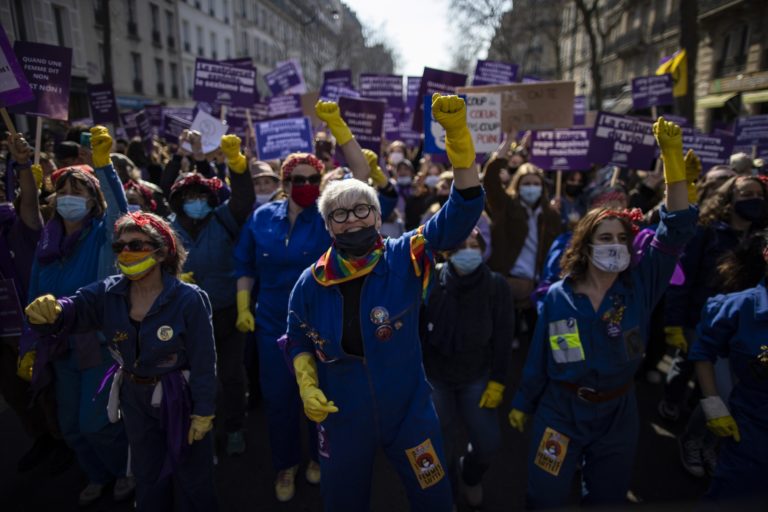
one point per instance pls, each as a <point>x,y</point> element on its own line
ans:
<point>425,464</point>
<point>551,452</point>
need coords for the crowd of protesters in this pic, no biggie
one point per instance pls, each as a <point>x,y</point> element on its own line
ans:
<point>378,301</point>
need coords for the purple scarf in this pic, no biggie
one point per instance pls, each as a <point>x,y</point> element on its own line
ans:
<point>55,244</point>
<point>175,410</point>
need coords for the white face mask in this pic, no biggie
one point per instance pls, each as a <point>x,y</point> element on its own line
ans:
<point>610,257</point>
<point>264,198</point>
<point>431,181</point>
<point>404,181</point>
<point>530,193</point>
<point>396,157</point>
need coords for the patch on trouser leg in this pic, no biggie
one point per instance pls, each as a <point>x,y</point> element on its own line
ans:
<point>552,450</point>
<point>323,448</point>
<point>425,464</point>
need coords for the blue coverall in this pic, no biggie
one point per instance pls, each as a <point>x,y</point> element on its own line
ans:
<point>101,447</point>
<point>176,334</point>
<point>383,398</point>
<point>735,326</point>
<point>600,350</point>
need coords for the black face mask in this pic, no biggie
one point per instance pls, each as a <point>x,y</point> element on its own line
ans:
<point>752,210</point>
<point>357,243</point>
<point>573,190</point>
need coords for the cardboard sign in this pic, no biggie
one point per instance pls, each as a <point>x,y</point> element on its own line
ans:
<point>278,139</point>
<point>101,98</point>
<point>211,130</point>
<point>286,78</point>
<point>48,70</point>
<point>623,141</point>
<point>490,72</point>
<point>562,150</point>
<point>654,90</point>
<point>365,119</point>
<point>14,87</point>
<point>224,84</point>
<point>281,107</point>
<point>172,128</point>
<point>484,121</point>
<point>436,80</point>
<point>534,106</point>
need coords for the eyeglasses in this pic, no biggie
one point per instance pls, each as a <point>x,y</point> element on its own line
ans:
<point>133,245</point>
<point>360,211</point>
<point>303,180</point>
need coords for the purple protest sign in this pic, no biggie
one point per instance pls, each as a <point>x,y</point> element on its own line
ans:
<point>260,111</point>
<point>155,116</point>
<point>283,78</point>
<point>432,81</point>
<point>650,91</point>
<point>237,121</point>
<point>101,97</point>
<point>288,105</point>
<point>128,119</point>
<point>531,79</point>
<point>240,62</point>
<point>393,118</point>
<point>145,131</point>
<point>224,84</point>
<point>337,83</point>
<point>562,150</point>
<point>412,86</point>
<point>623,141</point>
<point>278,139</point>
<point>180,112</point>
<point>365,119</point>
<point>579,110</point>
<point>711,149</point>
<point>173,126</point>
<point>47,69</point>
<point>382,87</point>
<point>752,130</point>
<point>14,87</point>
<point>491,72</point>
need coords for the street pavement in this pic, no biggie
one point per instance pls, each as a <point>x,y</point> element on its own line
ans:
<point>245,483</point>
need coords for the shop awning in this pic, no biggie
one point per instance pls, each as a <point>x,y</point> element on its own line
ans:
<point>714,100</point>
<point>755,96</point>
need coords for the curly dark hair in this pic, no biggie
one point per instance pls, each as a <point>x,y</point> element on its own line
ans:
<point>718,205</point>
<point>744,266</point>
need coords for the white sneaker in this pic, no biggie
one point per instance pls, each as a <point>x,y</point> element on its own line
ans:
<point>91,493</point>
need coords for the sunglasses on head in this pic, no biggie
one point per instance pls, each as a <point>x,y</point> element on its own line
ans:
<point>303,180</point>
<point>133,246</point>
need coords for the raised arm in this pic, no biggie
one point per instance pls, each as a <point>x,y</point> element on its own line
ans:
<point>451,113</point>
<point>29,209</point>
<point>243,196</point>
<point>328,111</point>
<point>670,140</point>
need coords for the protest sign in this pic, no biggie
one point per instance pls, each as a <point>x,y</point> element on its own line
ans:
<point>711,149</point>
<point>490,72</point>
<point>365,119</point>
<point>534,106</point>
<point>337,83</point>
<point>155,116</point>
<point>145,131</point>
<point>286,78</point>
<point>484,121</point>
<point>623,141</point>
<point>237,122</point>
<point>412,85</point>
<point>288,105</point>
<point>47,69</point>
<point>434,134</point>
<point>651,91</point>
<point>211,130</point>
<point>101,97</point>
<point>393,118</point>
<point>278,139</point>
<point>562,150</point>
<point>436,80</point>
<point>14,87</point>
<point>382,87</point>
<point>128,120</point>
<point>579,110</point>
<point>173,126</point>
<point>180,112</point>
<point>752,130</point>
<point>224,84</point>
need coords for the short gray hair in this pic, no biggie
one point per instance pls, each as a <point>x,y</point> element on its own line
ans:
<point>346,194</point>
<point>741,163</point>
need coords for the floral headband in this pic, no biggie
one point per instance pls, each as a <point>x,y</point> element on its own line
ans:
<point>142,219</point>
<point>634,216</point>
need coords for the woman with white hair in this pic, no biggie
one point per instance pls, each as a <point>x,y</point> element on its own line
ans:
<point>356,311</point>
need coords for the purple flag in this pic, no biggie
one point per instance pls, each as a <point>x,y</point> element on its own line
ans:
<point>365,119</point>
<point>283,78</point>
<point>490,72</point>
<point>563,150</point>
<point>103,105</point>
<point>623,141</point>
<point>14,87</point>
<point>432,81</point>
<point>224,84</point>
<point>654,90</point>
<point>48,71</point>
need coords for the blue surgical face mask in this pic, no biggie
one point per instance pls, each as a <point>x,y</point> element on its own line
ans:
<point>466,261</point>
<point>197,208</point>
<point>72,208</point>
<point>530,193</point>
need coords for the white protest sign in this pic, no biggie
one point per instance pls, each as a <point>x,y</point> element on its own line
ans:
<point>211,130</point>
<point>484,121</point>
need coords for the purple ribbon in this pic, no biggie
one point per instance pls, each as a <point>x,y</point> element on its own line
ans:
<point>107,375</point>
<point>175,411</point>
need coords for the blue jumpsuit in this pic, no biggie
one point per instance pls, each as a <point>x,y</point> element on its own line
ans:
<point>735,326</point>
<point>602,351</point>
<point>383,398</point>
<point>176,334</point>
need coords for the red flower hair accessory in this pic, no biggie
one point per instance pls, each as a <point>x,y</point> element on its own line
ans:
<point>85,170</point>
<point>142,219</point>
<point>634,216</point>
<point>300,158</point>
<point>145,192</point>
<point>212,184</point>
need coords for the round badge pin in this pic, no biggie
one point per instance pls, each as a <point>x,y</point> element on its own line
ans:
<point>384,332</point>
<point>164,332</point>
<point>379,315</point>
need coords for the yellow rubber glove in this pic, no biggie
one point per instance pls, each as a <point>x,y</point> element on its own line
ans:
<point>329,113</point>
<point>692,173</point>
<point>377,175</point>
<point>518,419</point>
<point>230,146</point>
<point>37,173</point>
<point>670,140</point>
<point>200,426</point>
<point>676,338</point>
<point>25,364</point>
<point>316,405</point>
<point>43,310</point>
<point>492,396</point>
<point>101,145</point>
<point>719,419</point>
<point>245,321</point>
<point>187,277</point>
<point>451,113</point>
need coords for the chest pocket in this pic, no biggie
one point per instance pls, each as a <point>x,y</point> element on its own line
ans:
<point>564,341</point>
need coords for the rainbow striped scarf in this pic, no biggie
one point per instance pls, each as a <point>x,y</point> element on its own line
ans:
<point>332,268</point>
<point>423,261</point>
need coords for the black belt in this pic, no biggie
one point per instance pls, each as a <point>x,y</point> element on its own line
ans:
<point>142,380</point>
<point>594,396</point>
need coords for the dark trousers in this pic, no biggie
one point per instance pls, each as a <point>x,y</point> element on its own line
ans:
<point>230,351</point>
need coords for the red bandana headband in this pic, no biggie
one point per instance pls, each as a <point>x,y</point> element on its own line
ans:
<point>85,170</point>
<point>144,191</point>
<point>212,184</point>
<point>634,216</point>
<point>142,219</point>
<point>300,158</point>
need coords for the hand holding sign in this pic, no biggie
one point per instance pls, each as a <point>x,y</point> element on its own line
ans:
<point>451,113</point>
<point>20,149</point>
<point>670,139</point>
<point>330,114</point>
<point>230,146</point>
<point>101,145</point>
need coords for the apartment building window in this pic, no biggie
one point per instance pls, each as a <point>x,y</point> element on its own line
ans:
<point>243,10</point>
<point>212,7</point>
<point>188,79</point>
<point>228,48</point>
<point>160,77</point>
<point>214,50</point>
<point>169,28</point>
<point>199,41</point>
<point>732,57</point>
<point>61,19</point>
<point>138,86</point>
<point>185,36</point>
<point>244,49</point>
<point>225,4</point>
<point>174,80</point>
<point>257,48</point>
<point>156,35</point>
<point>133,27</point>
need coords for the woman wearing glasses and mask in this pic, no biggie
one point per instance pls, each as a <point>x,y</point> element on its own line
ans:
<point>353,335</point>
<point>279,240</point>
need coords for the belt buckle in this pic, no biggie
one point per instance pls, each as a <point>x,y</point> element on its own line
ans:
<point>584,392</point>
